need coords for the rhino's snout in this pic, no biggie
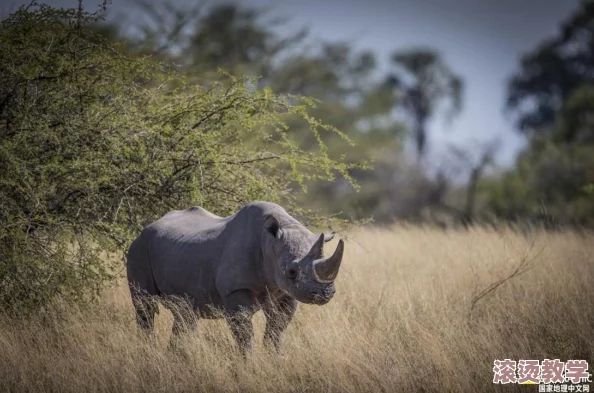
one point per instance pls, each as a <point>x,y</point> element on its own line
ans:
<point>322,297</point>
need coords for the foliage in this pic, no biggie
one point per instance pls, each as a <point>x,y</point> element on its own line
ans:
<point>424,81</point>
<point>95,143</point>
<point>554,100</point>
<point>548,184</point>
<point>353,100</point>
<point>202,37</point>
<point>351,92</point>
<point>551,73</point>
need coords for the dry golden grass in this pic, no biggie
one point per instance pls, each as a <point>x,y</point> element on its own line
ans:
<point>399,322</point>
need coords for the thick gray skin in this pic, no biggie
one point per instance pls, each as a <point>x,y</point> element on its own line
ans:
<point>258,258</point>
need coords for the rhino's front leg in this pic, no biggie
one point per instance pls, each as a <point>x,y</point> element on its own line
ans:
<point>279,314</point>
<point>239,310</point>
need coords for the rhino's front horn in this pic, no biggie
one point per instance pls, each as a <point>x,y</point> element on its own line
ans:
<point>326,270</point>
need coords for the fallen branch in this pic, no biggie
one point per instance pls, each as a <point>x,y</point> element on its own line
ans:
<point>525,265</point>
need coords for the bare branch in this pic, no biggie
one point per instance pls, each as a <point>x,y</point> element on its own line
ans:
<point>522,267</point>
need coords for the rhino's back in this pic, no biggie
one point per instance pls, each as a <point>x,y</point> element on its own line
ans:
<point>193,223</point>
<point>185,248</point>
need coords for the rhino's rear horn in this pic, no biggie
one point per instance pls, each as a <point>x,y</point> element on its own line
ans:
<point>326,270</point>
<point>317,249</point>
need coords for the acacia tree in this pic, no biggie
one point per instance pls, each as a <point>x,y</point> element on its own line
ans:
<point>424,82</point>
<point>95,143</point>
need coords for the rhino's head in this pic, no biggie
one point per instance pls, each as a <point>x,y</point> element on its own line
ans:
<point>294,260</point>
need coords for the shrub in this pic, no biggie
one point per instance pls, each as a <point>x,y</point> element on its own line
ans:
<point>95,143</point>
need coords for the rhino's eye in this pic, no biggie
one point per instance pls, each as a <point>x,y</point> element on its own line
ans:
<point>291,274</point>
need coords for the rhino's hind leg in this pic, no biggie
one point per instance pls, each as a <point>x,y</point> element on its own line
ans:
<point>182,327</point>
<point>143,288</point>
<point>185,321</point>
<point>146,307</point>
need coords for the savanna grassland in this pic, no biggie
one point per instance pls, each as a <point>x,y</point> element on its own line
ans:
<point>401,320</point>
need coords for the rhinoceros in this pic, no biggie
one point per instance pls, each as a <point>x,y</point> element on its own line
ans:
<point>260,258</point>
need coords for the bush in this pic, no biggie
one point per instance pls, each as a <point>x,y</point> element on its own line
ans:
<point>94,144</point>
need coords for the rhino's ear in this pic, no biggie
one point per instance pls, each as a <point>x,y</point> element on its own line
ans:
<point>272,226</point>
<point>329,237</point>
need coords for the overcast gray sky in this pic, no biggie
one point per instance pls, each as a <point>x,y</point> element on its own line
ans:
<point>482,40</point>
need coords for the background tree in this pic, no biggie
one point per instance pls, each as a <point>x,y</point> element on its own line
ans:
<point>201,38</point>
<point>424,81</point>
<point>550,74</point>
<point>553,98</point>
<point>349,90</point>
